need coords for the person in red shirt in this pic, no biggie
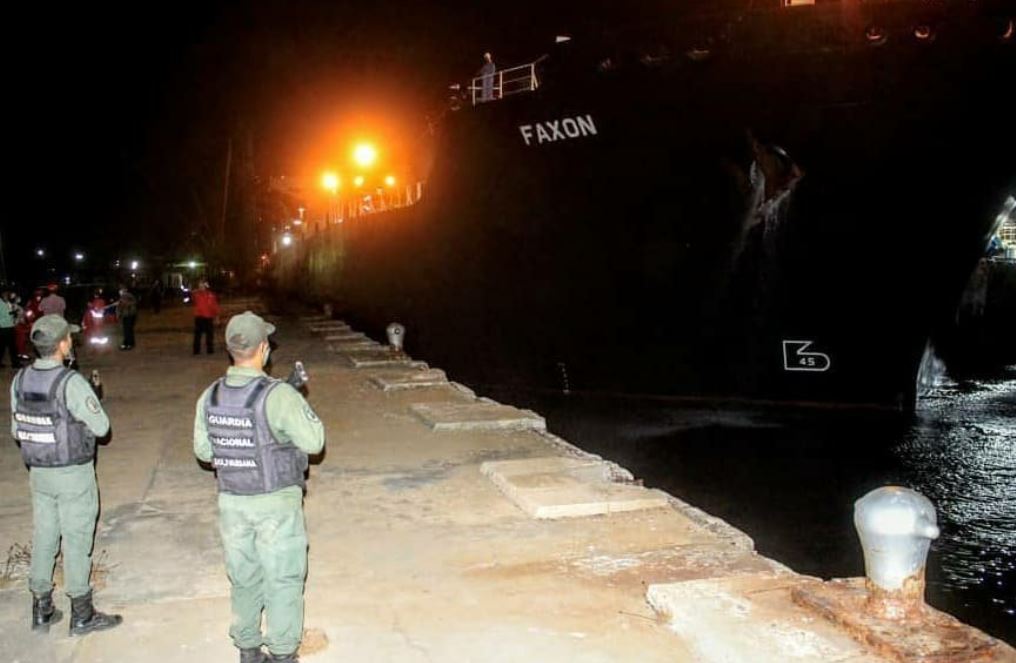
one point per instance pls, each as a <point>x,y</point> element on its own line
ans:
<point>206,310</point>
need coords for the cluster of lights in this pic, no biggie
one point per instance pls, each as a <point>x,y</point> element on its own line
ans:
<point>79,257</point>
<point>364,155</point>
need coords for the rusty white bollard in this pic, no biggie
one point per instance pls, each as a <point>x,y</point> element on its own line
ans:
<point>396,336</point>
<point>896,526</point>
<point>327,309</point>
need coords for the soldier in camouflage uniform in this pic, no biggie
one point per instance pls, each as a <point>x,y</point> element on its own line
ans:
<point>257,432</point>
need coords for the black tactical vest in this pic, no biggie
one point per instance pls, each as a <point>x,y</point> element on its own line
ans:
<point>47,432</point>
<point>247,457</point>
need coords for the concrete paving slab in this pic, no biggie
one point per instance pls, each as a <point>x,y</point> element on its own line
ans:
<point>589,469</point>
<point>328,326</point>
<point>327,322</point>
<point>401,380</point>
<point>751,618</point>
<point>548,496</point>
<point>575,499</point>
<point>556,487</point>
<point>476,416</point>
<point>346,336</point>
<point>377,356</point>
<point>349,346</point>
<point>382,362</point>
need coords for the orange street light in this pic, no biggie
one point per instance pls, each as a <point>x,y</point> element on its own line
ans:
<point>390,181</point>
<point>358,181</point>
<point>364,154</point>
<point>330,181</point>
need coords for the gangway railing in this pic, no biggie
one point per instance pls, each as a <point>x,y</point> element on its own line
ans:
<point>344,208</point>
<point>503,83</point>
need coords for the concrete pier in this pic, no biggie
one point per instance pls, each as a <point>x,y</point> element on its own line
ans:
<point>442,527</point>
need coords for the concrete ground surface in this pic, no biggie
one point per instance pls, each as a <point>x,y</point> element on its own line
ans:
<point>415,555</point>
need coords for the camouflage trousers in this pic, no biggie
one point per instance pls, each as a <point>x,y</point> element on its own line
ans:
<point>65,505</point>
<point>265,543</point>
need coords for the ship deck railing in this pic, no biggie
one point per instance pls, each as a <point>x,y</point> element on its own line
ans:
<point>343,209</point>
<point>504,83</point>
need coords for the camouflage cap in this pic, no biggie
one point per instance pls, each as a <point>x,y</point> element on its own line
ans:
<point>246,331</point>
<point>51,329</point>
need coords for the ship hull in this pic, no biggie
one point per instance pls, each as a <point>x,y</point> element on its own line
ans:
<point>780,224</point>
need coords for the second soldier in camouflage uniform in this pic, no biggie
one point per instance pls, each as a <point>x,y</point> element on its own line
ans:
<point>55,419</point>
<point>256,432</point>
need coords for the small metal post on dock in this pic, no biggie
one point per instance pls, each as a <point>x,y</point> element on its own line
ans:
<point>396,336</point>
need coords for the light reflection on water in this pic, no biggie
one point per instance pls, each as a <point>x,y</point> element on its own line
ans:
<point>961,453</point>
<point>789,479</point>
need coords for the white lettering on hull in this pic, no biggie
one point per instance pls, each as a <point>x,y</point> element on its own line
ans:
<point>552,131</point>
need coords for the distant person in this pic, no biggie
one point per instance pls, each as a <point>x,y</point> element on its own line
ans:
<point>55,419</point>
<point>486,74</point>
<point>53,303</point>
<point>256,433</point>
<point>22,327</point>
<point>8,319</point>
<point>32,310</point>
<point>156,293</point>
<point>127,313</point>
<point>94,319</point>
<point>206,310</point>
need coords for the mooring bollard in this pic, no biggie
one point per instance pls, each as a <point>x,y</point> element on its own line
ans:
<point>327,308</point>
<point>896,526</point>
<point>396,335</point>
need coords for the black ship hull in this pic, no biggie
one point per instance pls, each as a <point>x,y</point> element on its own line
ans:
<point>783,209</point>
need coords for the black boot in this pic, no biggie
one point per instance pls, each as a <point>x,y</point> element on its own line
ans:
<point>252,656</point>
<point>43,612</point>
<point>280,658</point>
<point>85,618</point>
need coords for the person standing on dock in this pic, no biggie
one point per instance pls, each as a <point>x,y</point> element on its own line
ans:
<point>53,303</point>
<point>155,293</point>
<point>256,432</point>
<point>127,313</point>
<point>55,419</point>
<point>486,74</point>
<point>206,310</point>
<point>8,319</point>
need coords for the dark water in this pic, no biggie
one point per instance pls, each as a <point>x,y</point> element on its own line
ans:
<point>789,480</point>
